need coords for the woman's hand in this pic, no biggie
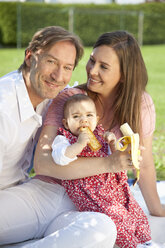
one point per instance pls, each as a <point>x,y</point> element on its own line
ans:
<point>162,213</point>
<point>121,160</point>
<point>110,138</point>
<point>163,210</point>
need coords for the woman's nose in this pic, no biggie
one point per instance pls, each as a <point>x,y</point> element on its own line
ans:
<point>94,70</point>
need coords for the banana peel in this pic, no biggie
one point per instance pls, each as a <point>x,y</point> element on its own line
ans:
<point>130,138</point>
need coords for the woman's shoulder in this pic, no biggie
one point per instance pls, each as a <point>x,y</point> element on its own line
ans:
<point>67,92</point>
<point>148,115</point>
<point>147,100</point>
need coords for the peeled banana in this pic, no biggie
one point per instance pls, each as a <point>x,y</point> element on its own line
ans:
<point>94,143</point>
<point>130,138</point>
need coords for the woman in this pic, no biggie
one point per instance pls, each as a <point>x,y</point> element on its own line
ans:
<point>116,81</point>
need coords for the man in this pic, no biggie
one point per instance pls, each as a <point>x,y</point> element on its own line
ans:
<point>35,209</point>
<point>49,61</point>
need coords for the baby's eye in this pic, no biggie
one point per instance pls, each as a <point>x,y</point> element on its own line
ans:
<point>75,116</point>
<point>89,115</point>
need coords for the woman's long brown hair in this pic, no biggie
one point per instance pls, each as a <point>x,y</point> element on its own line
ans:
<point>127,103</point>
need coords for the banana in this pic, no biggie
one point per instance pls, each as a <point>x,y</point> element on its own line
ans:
<point>130,138</point>
<point>94,143</point>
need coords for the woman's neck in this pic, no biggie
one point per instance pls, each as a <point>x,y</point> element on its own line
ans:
<point>106,101</point>
<point>104,106</point>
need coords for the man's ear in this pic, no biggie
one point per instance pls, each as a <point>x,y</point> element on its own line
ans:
<point>28,57</point>
<point>64,122</point>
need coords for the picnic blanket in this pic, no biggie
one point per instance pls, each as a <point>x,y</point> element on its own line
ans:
<point>157,224</point>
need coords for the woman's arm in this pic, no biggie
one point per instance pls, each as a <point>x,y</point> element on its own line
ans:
<point>82,167</point>
<point>147,182</point>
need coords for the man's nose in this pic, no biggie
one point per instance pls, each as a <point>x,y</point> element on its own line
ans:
<point>57,74</point>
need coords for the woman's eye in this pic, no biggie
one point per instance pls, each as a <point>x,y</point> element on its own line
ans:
<point>92,60</point>
<point>104,67</point>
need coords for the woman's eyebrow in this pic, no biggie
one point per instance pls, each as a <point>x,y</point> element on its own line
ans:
<point>101,62</point>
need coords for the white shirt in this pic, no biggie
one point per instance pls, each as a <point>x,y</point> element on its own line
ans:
<point>18,129</point>
<point>59,146</point>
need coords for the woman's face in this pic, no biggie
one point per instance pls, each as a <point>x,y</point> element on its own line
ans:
<point>103,70</point>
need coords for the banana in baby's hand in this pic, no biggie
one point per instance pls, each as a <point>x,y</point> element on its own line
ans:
<point>94,143</point>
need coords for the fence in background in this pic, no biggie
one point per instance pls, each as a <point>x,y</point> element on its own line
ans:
<point>82,22</point>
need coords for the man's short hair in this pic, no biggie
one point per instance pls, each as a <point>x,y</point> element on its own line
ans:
<point>48,36</point>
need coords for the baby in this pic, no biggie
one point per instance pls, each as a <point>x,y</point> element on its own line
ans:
<point>107,193</point>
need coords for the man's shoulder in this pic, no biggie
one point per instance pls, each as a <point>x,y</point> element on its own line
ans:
<point>10,76</point>
<point>8,90</point>
<point>8,81</point>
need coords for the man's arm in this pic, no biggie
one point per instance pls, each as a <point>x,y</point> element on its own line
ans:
<point>7,134</point>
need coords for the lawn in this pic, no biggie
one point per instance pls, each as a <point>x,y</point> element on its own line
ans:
<point>10,59</point>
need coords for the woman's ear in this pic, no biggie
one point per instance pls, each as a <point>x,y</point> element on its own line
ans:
<point>64,122</point>
<point>98,118</point>
<point>122,79</point>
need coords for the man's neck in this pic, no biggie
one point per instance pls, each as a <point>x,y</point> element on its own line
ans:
<point>34,98</point>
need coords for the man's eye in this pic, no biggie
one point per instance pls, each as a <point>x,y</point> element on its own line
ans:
<point>50,61</point>
<point>67,68</point>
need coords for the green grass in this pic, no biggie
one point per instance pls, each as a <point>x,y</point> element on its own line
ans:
<point>10,59</point>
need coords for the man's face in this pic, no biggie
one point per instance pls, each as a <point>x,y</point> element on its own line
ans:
<point>51,70</point>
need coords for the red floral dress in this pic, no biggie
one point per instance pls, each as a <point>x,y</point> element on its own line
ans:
<point>109,193</point>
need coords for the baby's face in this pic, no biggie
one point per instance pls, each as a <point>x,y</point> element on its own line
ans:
<point>81,114</point>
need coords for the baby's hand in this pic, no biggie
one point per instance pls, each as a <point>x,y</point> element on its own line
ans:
<point>110,138</point>
<point>83,138</point>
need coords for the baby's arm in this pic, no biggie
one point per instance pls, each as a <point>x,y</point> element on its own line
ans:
<point>110,138</point>
<point>76,148</point>
<point>63,152</point>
